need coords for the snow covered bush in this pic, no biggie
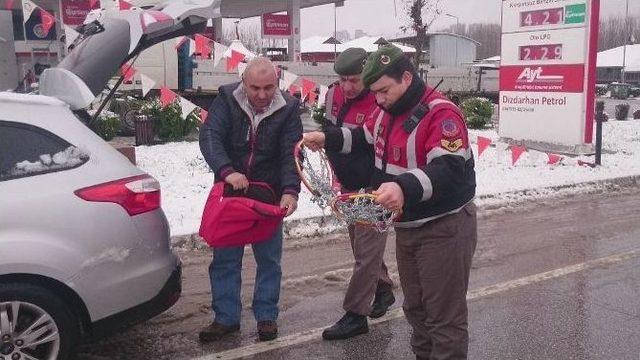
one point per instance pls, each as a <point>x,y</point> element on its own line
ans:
<point>108,125</point>
<point>622,111</point>
<point>477,112</point>
<point>318,115</point>
<point>636,115</point>
<point>168,122</point>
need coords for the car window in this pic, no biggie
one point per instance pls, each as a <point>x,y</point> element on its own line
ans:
<point>27,150</point>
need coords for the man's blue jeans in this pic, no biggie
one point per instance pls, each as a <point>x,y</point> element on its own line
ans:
<point>225,274</point>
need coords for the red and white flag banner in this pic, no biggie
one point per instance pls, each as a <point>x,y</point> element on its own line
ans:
<point>167,96</point>
<point>483,144</point>
<point>203,115</point>
<point>124,5</point>
<point>516,152</point>
<point>307,87</point>
<point>46,20</point>
<point>202,46</point>
<point>147,84</point>
<point>234,60</point>
<point>554,159</point>
<point>128,71</point>
<point>28,7</point>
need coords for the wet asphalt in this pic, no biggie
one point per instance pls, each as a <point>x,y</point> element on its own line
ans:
<point>554,279</point>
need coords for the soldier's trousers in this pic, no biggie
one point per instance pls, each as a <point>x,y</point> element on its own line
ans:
<point>434,263</point>
<point>370,273</point>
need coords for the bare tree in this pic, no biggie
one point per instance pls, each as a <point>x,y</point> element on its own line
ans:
<point>488,35</point>
<point>613,33</point>
<point>248,35</point>
<point>421,15</point>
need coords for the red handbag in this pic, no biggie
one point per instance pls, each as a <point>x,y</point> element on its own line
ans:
<point>237,218</point>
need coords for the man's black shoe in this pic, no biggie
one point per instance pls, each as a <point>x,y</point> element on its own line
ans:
<point>349,326</point>
<point>381,304</point>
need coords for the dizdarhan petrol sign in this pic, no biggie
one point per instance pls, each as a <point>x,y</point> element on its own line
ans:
<point>547,71</point>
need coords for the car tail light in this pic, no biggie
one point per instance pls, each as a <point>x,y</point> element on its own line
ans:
<point>137,194</point>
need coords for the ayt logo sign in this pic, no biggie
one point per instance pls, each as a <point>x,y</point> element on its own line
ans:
<point>544,78</point>
<point>531,76</point>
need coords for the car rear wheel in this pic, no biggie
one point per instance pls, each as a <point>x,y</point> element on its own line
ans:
<point>35,324</point>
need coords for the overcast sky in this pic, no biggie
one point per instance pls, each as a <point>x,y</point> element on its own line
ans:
<point>378,17</point>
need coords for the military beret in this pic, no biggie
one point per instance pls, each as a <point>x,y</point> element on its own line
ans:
<point>350,62</point>
<point>378,62</point>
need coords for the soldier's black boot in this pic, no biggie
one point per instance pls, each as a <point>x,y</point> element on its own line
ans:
<point>381,303</point>
<point>349,326</point>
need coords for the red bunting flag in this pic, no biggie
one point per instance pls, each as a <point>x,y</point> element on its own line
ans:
<point>124,5</point>
<point>203,115</point>
<point>46,20</point>
<point>202,46</point>
<point>307,87</point>
<point>553,159</point>
<point>167,96</point>
<point>128,71</point>
<point>516,152</point>
<point>311,99</point>
<point>483,144</point>
<point>8,5</point>
<point>234,60</point>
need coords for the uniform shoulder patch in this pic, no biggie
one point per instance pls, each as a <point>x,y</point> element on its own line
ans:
<point>451,145</point>
<point>450,128</point>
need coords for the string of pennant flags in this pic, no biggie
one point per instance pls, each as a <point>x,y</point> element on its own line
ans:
<point>235,61</point>
<point>199,45</point>
<point>517,151</point>
<point>47,20</point>
<point>205,48</point>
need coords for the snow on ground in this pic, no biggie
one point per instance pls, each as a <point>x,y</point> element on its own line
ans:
<point>186,180</point>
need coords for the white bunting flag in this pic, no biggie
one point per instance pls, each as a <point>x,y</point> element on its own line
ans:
<point>147,84</point>
<point>192,47</point>
<point>28,7</point>
<point>219,51</point>
<point>241,68</point>
<point>289,78</point>
<point>536,157</point>
<point>323,95</point>
<point>187,107</point>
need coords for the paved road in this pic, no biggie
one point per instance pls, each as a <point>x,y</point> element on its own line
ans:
<point>551,280</point>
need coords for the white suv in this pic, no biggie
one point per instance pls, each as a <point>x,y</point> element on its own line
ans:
<point>84,243</point>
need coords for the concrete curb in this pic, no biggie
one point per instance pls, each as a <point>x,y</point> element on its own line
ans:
<point>304,232</point>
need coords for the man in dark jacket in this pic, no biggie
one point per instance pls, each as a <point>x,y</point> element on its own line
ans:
<point>250,135</point>
<point>424,166</point>
<point>349,104</point>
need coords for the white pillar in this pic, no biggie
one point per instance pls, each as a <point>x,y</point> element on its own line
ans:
<point>217,29</point>
<point>294,40</point>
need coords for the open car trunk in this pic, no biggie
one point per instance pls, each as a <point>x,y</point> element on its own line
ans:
<point>110,38</point>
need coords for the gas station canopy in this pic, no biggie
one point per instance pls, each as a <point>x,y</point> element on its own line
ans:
<point>250,8</point>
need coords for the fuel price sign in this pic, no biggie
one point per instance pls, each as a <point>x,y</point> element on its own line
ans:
<point>548,60</point>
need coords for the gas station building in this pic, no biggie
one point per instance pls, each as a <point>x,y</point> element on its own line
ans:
<point>25,47</point>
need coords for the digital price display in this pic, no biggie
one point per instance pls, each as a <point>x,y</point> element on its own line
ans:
<point>542,17</point>
<point>548,63</point>
<point>541,52</point>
